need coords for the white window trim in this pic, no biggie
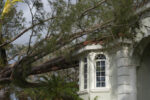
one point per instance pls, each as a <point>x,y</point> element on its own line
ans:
<point>91,85</point>
<point>99,60</point>
<point>82,89</point>
<point>107,86</point>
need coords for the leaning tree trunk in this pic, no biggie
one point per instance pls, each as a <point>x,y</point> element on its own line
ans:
<point>4,92</point>
<point>3,57</point>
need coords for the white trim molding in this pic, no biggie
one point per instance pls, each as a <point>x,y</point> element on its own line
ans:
<point>91,74</point>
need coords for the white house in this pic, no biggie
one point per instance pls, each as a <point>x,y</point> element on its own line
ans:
<point>121,72</point>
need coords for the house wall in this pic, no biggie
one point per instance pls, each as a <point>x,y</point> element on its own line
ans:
<point>126,74</point>
<point>143,76</point>
<point>143,70</point>
<point>103,93</point>
<point>85,96</point>
<point>113,75</point>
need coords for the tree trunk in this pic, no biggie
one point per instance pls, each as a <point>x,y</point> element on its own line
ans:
<point>4,92</point>
<point>3,57</point>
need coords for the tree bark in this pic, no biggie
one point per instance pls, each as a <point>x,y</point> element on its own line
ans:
<point>3,57</point>
<point>4,92</point>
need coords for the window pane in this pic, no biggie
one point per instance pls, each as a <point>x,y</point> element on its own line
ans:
<point>97,79</point>
<point>102,73</point>
<point>85,73</point>
<point>98,69</point>
<point>102,78</point>
<point>85,76</point>
<point>85,68</point>
<point>85,60</point>
<point>98,73</point>
<point>102,63</point>
<point>98,63</point>
<point>102,68</point>
<point>103,84</point>
<point>100,56</point>
<point>98,84</point>
<point>85,80</point>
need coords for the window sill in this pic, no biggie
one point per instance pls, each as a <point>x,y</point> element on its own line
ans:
<point>83,92</point>
<point>97,90</point>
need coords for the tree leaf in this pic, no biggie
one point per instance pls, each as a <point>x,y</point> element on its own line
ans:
<point>8,6</point>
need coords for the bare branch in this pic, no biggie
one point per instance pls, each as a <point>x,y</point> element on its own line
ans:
<point>61,43</point>
<point>32,17</point>
<point>4,81</point>
<point>24,31</point>
<point>53,64</point>
<point>91,8</point>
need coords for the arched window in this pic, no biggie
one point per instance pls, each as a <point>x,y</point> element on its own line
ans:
<point>100,70</point>
<point>85,73</point>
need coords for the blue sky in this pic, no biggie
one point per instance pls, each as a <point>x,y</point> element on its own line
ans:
<point>22,6</point>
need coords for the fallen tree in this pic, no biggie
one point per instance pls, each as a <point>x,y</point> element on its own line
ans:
<point>68,25</point>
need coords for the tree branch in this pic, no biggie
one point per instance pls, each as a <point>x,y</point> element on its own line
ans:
<point>91,8</point>
<point>53,64</point>
<point>32,17</point>
<point>24,31</point>
<point>4,81</point>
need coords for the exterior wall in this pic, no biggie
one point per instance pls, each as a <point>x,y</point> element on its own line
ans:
<point>113,75</point>
<point>126,75</point>
<point>143,76</point>
<point>102,93</point>
<point>120,76</point>
<point>84,96</point>
<point>98,95</point>
<point>143,70</point>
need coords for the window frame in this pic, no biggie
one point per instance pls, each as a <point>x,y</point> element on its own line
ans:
<point>85,63</point>
<point>106,71</point>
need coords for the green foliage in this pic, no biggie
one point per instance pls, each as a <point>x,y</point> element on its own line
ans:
<point>125,20</point>
<point>56,88</point>
<point>124,16</point>
<point>96,98</point>
<point>8,8</point>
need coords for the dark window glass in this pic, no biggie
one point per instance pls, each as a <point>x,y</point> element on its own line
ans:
<point>98,79</point>
<point>98,84</point>
<point>98,64</point>
<point>103,84</point>
<point>85,60</point>
<point>85,68</point>
<point>85,73</point>
<point>102,63</point>
<point>98,73</point>
<point>100,56</point>
<point>102,73</point>
<point>102,68</point>
<point>98,69</point>
<point>102,79</point>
